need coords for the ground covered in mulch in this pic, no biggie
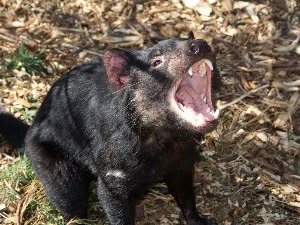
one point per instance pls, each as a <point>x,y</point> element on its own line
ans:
<point>250,167</point>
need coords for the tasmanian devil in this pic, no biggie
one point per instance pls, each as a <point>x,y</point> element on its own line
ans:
<point>128,119</point>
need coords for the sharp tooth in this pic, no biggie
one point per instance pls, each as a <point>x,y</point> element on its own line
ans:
<point>202,70</point>
<point>202,96</point>
<point>180,106</point>
<point>209,64</point>
<point>199,118</point>
<point>208,109</point>
<point>204,99</point>
<point>216,113</point>
<point>190,71</point>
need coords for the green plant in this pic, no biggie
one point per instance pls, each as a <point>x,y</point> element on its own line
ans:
<point>21,192</point>
<point>28,115</point>
<point>13,177</point>
<point>24,59</point>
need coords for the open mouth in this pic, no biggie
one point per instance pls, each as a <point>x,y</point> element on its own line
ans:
<point>191,96</point>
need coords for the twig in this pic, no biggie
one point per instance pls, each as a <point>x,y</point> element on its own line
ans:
<point>67,45</point>
<point>17,195</point>
<point>257,117</point>
<point>292,83</point>
<point>19,214</point>
<point>6,35</point>
<point>7,38</point>
<point>248,186</point>
<point>228,94</point>
<point>93,52</point>
<point>267,166</point>
<point>153,34</point>
<point>243,96</point>
<point>290,69</point>
<point>229,158</point>
<point>284,65</point>
<point>221,40</point>
<point>295,176</point>
<point>250,69</point>
<point>74,30</point>
<point>89,36</point>
<point>160,10</point>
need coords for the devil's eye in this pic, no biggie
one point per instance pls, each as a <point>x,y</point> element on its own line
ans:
<point>156,63</point>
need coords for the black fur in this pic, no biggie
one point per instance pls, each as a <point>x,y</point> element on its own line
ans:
<point>112,121</point>
<point>10,125</point>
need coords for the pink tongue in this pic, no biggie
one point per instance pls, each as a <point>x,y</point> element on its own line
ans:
<point>190,90</point>
<point>190,98</point>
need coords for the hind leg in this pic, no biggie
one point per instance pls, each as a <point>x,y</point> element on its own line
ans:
<point>66,182</point>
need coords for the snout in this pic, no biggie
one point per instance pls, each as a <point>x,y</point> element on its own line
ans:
<point>199,47</point>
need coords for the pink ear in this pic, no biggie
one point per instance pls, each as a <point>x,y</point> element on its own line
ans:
<point>116,65</point>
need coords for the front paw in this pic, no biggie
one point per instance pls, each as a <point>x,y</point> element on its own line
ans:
<point>201,221</point>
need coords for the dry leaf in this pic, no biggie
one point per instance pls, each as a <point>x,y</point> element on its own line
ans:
<point>253,109</point>
<point>274,140</point>
<point>290,145</point>
<point>262,136</point>
<point>288,189</point>
<point>121,41</point>
<point>18,24</point>
<point>23,102</point>
<point>247,50</point>
<point>192,3</point>
<point>249,137</point>
<point>296,204</point>
<point>238,134</point>
<point>281,120</point>
<point>289,47</point>
<point>294,101</point>
<point>208,153</point>
<point>292,83</point>
<point>2,207</point>
<point>298,50</point>
<point>201,6</point>
<point>252,13</point>
<point>266,216</point>
<point>226,5</point>
<point>240,4</point>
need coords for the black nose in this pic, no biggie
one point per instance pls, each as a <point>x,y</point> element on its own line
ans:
<point>199,47</point>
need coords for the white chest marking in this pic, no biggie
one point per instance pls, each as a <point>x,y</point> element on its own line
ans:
<point>116,173</point>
